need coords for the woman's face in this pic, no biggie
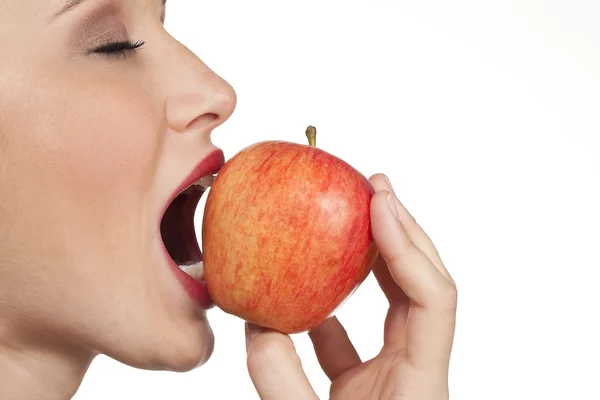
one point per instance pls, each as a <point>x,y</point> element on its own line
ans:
<point>95,141</point>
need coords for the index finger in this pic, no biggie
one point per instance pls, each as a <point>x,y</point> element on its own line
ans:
<point>416,233</point>
<point>429,332</point>
<point>408,265</point>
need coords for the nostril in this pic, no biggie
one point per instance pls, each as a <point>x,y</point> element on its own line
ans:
<point>211,117</point>
<point>191,109</point>
<point>205,122</point>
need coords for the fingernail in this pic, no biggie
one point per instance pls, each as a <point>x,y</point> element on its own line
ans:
<point>392,203</point>
<point>254,330</point>
<point>387,180</point>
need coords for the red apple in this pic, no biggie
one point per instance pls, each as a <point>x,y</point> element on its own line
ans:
<point>286,235</point>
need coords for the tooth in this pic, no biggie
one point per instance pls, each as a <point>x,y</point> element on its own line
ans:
<point>205,181</point>
<point>195,270</point>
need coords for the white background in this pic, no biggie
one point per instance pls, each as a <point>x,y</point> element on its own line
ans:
<point>485,115</point>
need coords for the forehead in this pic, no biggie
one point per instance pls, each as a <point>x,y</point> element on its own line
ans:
<point>30,10</point>
<point>36,8</point>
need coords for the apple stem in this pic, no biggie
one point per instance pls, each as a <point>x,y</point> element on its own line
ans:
<point>311,134</point>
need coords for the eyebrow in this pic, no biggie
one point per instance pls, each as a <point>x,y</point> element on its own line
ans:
<point>71,4</point>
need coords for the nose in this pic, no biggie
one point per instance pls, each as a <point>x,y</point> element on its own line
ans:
<point>198,99</point>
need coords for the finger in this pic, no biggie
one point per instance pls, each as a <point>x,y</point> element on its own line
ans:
<point>414,230</point>
<point>394,333</point>
<point>333,347</point>
<point>274,366</point>
<point>394,294</point>
<point>430,329</point>
<point>410,268</point>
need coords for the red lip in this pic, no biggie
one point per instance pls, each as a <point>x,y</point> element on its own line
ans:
<point>196,290</point>
<point>210,165</point>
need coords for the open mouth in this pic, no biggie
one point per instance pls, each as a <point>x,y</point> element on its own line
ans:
<point>178,230</point>
<point>178,233</point>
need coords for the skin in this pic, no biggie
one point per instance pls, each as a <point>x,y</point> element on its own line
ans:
<point>91,148</point>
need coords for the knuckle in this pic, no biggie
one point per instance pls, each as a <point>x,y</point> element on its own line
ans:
<point>411,223</point>
<point>450,297</point>
<point>406,245</point>
<point>446,296</point>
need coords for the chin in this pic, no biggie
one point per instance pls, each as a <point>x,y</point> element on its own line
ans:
<point>185,347</point>
<point>190,349</point>
<point>190,360</point>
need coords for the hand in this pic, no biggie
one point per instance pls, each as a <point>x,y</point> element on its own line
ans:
<point>418,333</point>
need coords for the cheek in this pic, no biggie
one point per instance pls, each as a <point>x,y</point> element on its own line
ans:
<point>80,158</point>
<point>105,143</point>
<point>90,126</point>
<point>79,153</point>
<point>77,166</point>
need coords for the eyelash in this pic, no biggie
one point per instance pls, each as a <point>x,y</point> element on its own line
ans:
<point>120,49</point>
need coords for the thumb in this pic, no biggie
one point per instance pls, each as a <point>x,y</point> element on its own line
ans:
<point>274,366</point>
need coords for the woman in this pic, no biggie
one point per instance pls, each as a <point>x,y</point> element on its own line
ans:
<point>103,118</point>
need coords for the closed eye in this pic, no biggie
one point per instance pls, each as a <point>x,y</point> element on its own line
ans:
<point>117,49</point>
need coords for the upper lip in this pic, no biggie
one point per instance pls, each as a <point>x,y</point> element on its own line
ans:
<point>211,164</point>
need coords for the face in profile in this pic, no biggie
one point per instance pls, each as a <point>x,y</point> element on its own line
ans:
<point>104,120</point>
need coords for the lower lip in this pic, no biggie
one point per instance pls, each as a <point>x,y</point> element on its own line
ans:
<point>196,290</point>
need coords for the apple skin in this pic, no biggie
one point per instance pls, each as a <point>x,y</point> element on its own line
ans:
<point>286,235</point>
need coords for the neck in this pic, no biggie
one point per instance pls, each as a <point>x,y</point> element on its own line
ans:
<point>41,371</point>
